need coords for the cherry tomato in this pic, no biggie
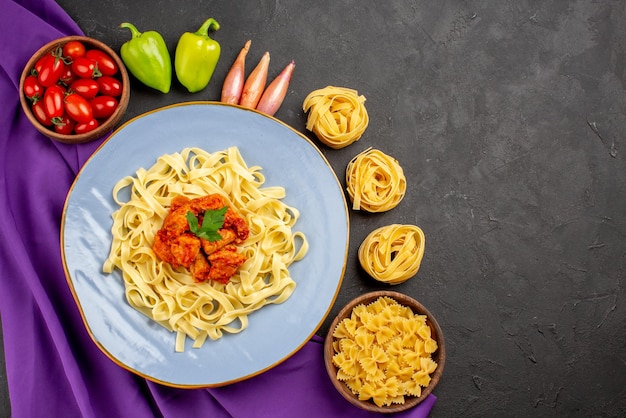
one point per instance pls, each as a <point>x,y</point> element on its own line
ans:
<point>40,62</point>
<point>40,113</point>
<point>103,106</point>
<point>64,126</point>
<point>68,76</point>
<point>78,108</point>
<point>86,87</point>
<point>82,128</point>
<point>110,86</point>
<point>32,89</point>
<point>106,64</point>
<point>86,68</point>
<point>51,69</point>
<point>74,49</point>
<point>53,101</point>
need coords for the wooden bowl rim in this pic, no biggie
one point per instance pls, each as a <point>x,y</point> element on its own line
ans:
<point>416,307</point>
<point>108,125</point>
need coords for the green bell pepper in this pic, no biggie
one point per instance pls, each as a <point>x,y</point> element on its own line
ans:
<point>147,58</point>
<point>196,57</point>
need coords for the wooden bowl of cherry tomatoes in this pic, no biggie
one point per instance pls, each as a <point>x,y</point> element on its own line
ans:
<point>74,89</point>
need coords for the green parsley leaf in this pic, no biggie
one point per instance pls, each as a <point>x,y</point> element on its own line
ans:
<point>193,222</point>
<point>213,221</point>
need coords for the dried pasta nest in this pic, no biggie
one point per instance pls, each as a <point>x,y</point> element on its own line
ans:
<point>337,115</point>
<point>375,181</point>
<point>384,352</point>
<point>393,253</point>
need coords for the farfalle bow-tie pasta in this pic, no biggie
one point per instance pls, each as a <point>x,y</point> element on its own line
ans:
<point>383,352</point>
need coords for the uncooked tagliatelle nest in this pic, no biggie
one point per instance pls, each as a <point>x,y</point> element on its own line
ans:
<point>337,115</point>
<point>375,181</point>
<point>393,253</point>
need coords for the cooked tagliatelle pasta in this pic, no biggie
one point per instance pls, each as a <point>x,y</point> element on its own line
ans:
<point>393,253</point>
<point>170,296</point>
<point>383,352</point>
<point>375,181</point>
<point>337,115</point>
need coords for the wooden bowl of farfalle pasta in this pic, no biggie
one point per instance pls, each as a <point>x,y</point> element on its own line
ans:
<point>384,352</point>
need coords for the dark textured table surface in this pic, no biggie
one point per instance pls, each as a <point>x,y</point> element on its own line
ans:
<point>509,120</point>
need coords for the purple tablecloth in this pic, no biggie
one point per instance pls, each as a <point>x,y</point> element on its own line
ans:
<point>53,367</point>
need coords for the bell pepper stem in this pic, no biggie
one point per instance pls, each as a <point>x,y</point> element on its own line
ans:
<point>133,30</point>
<point>204,29</point>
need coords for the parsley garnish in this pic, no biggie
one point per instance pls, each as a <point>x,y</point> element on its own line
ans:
<point>213,221</point>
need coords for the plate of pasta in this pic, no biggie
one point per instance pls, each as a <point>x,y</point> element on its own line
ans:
<point>166,321</point>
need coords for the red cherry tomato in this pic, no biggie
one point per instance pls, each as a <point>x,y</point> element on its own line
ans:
<point>41,61</point>
<point>51,69</point>
<point>64,126</point>
<point>86,68</point>
<point>39,64</point>
<point>78,108</point>
<point>110,86</point>
<point>106,64</point>
<point>32,89</point>
<point>82,128</point>
<point>103,106</point>
<point>40,113</point>
<point>68,76</point>
<point>53,101</point>
<point>74,49</point>
<point>86,87</point>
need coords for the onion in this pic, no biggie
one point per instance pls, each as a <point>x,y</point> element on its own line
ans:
<point>255,84</point>
<point>233,83</point>
<point>275,93</point>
